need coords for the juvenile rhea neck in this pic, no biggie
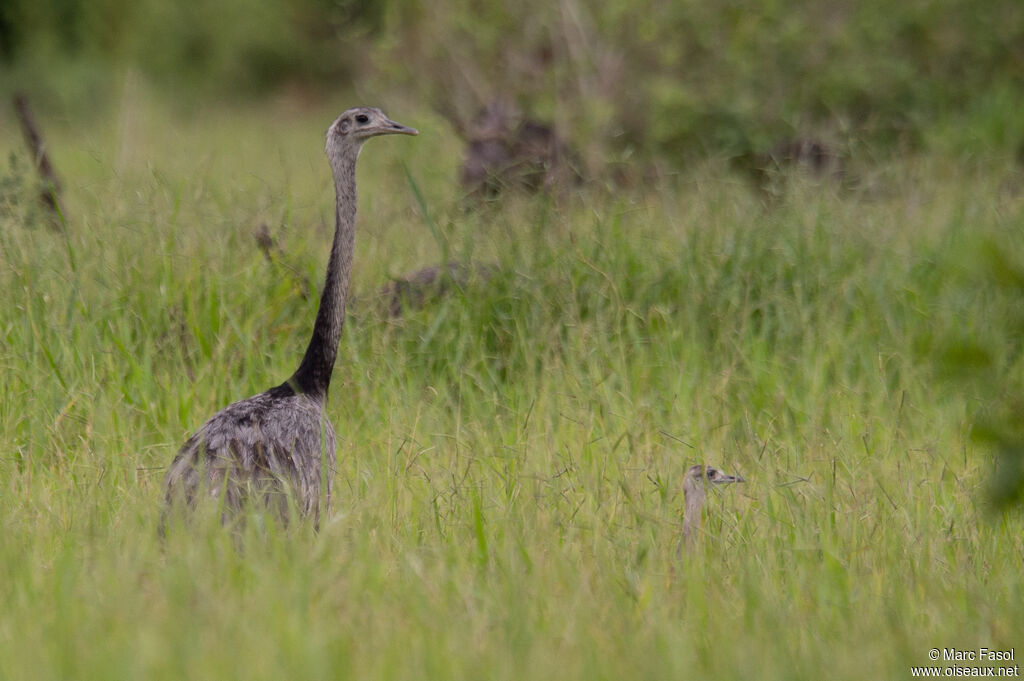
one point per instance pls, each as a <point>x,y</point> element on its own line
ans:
<point>313,376</point>
<point>693,493</point>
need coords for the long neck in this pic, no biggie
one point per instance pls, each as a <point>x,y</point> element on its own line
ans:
<point>313,376</point>
<point>694,494</point>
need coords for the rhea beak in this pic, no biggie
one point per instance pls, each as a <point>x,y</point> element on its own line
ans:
<point>390,127</point>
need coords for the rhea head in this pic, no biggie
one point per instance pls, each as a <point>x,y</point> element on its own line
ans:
<point>355,126</point>
<point>693,481</point>
<point>699,472</point>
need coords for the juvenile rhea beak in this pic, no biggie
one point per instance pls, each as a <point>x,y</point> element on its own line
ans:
<point>390,127</point>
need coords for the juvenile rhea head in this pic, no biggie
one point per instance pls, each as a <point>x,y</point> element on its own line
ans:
<point>355,126</point>
<point>698,473</point>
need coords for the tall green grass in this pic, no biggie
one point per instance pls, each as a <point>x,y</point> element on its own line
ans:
<point>508,501</point>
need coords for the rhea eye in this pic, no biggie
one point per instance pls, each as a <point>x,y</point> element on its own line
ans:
<point>362,119</point>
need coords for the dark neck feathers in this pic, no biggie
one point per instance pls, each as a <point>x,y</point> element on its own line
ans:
<point>313,376</point>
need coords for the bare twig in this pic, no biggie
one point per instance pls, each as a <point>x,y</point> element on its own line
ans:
<point>49,195</point>
<point>275,255</point>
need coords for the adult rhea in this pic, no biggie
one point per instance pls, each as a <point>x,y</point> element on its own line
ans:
<point>278,448</point>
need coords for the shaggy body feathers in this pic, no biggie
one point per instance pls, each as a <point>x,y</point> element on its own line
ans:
<point>277,447</point>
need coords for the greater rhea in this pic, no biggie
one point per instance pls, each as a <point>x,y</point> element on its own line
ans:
<point>278,448</point>
<point>693,494</point>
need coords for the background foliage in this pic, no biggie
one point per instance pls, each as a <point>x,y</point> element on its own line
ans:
<point>671,80</point>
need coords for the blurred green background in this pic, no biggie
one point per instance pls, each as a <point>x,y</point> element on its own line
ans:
<point>671,80</point>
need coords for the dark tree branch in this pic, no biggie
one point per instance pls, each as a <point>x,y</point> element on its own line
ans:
<point>49,195</point>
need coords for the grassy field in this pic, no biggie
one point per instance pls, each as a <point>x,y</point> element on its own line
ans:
<point>508,494</point>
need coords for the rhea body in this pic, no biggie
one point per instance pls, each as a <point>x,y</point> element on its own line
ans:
<point>277,447</point>
<point>693,494</point>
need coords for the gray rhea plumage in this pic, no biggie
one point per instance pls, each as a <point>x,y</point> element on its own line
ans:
<point>693,494</point>
<point>278,448</point>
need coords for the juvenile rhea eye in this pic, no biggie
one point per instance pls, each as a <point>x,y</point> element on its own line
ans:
<point>362,119</point>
